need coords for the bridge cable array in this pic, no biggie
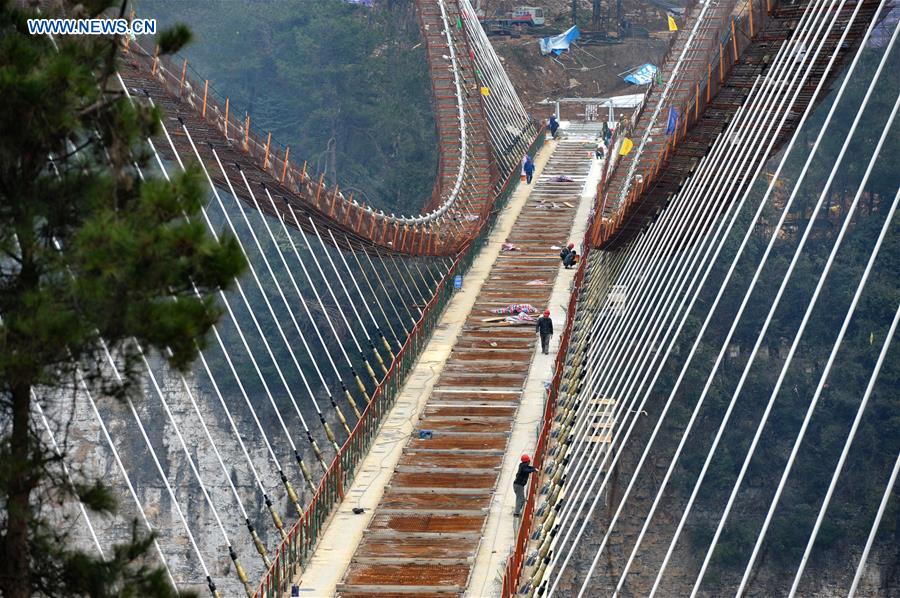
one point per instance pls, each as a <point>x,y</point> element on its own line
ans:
<point>656,274</point>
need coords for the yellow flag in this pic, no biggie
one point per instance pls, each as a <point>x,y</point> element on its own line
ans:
<point>627,144</point>
<point>485,91</point>
<point>672,25</point>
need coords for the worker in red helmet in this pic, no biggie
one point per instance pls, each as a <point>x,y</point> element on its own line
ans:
<point>545,329</point>
<point>525,470</point>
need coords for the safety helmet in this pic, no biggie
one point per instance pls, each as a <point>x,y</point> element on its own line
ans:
<point>571,245</point>
<point>546,313</point>
<point>525,458</point>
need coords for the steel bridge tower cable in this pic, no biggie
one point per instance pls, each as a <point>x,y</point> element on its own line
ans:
<point>362,298</point>
<point>882,507</point>
<point>291,493</point>
<point>812,303</point>
<point>315,326</point>
<point>304,470</point>
<point>359,320</point>
<point>777,62</point>
<point>736,319</point>
<point>380,305</point>
<point>262,291</point>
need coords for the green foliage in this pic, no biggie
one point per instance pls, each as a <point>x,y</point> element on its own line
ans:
<point>90,251</point>
<point>347,87</point>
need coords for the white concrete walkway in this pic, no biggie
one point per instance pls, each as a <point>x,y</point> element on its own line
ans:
<point>344,530</point>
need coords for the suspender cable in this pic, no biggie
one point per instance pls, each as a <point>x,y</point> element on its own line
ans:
<point>276,518</point>
<point>845,226</point>
<point>254,537</point>
<point>159,469</point>
<point>784,281</point>
<point>818,393</point>
<point>350,299</point>
<point>850,437</point>
<point>309,353</point>
<point>312,321</point>
<point>262,291</point>
<point>425,280</point>
<point>328,432</point>
<point>657,245</point>
<point>387,294</point>
<point>127,478</point>
<point>377,301</point>
<point>338,306</point>
<point>292,494</point>
<point>399,292</point>
<point>781,53</point>
<point>309,437</point>
<point>415,284</point>
<point>304,470</point>
<point>289,488</point>
<point>68,474</point>
<point>337,338</point>
<point>80,380</point>
<point>362,298</point>
<point>239,569</point>
<point>874,531</point>
<point>403,279</point>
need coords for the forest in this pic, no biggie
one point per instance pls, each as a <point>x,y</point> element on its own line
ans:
<point>346,86</point>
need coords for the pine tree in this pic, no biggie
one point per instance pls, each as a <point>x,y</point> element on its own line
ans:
<point>88,251</point>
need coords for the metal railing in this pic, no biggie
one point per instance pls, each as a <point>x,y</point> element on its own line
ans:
<point>737,35</point>
<point>515,560</point>
<point>413,235</point>
<point>301,540</point>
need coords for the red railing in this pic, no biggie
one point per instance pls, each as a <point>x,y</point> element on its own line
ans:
<point>736,35</point>
<point>294,175</point>
<point>515,560</point>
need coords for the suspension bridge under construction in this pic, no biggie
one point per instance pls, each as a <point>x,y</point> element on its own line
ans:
<point>354,426</point>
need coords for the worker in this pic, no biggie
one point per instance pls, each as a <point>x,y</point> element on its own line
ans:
<point>565,252</point>
<point>529,169</point>
<point>553,125</point>
<point>600,151</point>
<point>545,329</point>
<point>571,259</point>
<point>525,470</point>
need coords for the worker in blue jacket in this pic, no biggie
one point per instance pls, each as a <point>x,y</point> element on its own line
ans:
<point>529,169</point>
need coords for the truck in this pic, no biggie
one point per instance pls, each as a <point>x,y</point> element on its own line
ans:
<point>532,16</point>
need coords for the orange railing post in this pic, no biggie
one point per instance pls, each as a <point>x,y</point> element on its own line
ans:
<point>287,153</point>
<point>247,133</point>
<point>226,118</point>
<point>155,64</point>
<point>205,92</point>
<point>750,4</point>
<point>697,102</point>
<point>734,41</point>
<point>183,73</point>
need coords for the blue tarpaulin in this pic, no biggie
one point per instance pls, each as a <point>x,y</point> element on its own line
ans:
<point>673,121</point>
<point>641,75</point>
<point>558,44</point>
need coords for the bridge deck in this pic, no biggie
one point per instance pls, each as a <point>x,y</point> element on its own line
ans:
<point>425,532</point>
